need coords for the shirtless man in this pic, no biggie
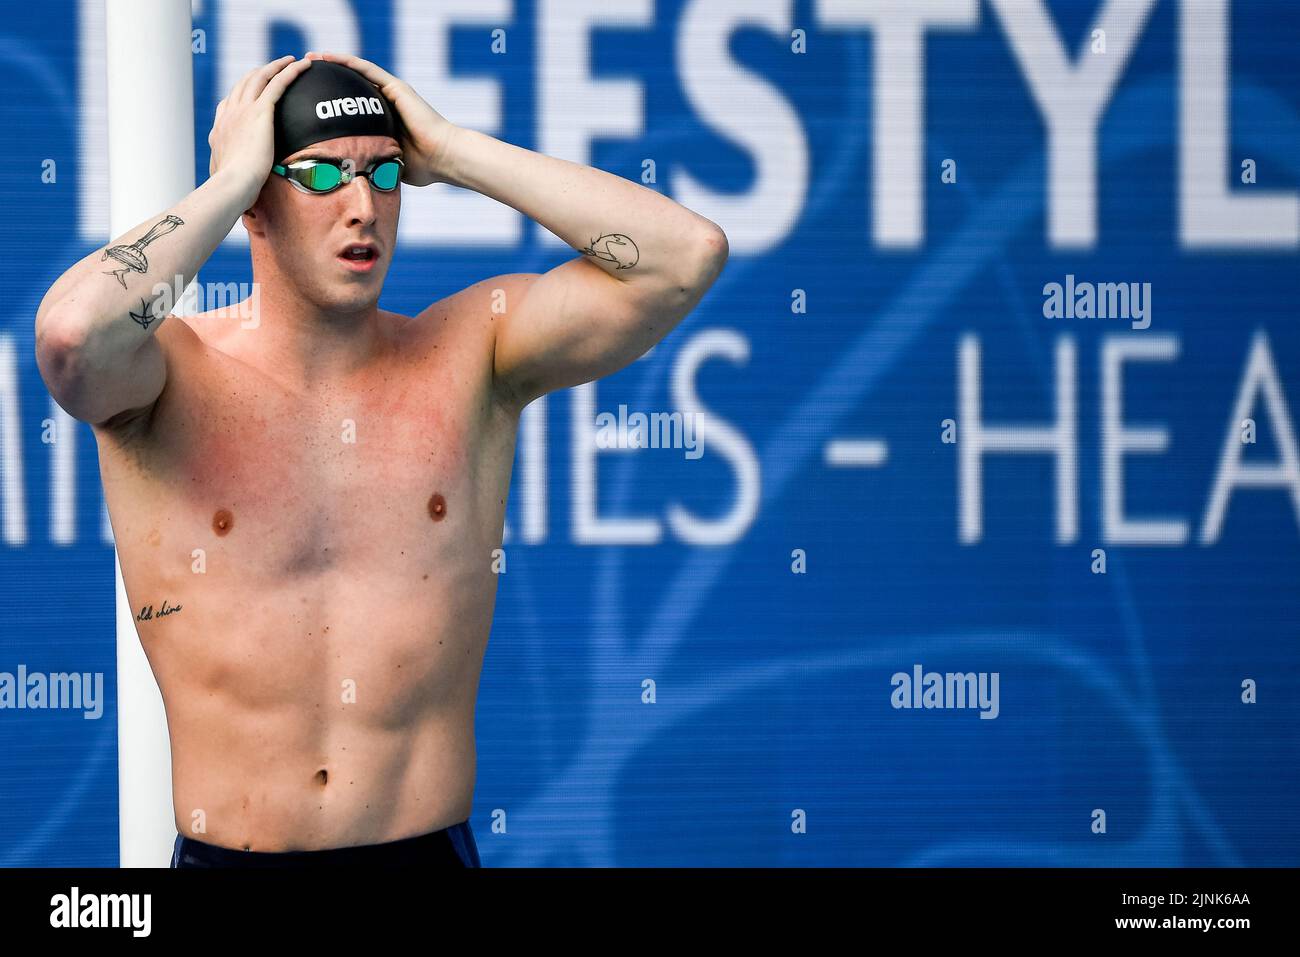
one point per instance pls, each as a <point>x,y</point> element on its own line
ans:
<point>306,507</point>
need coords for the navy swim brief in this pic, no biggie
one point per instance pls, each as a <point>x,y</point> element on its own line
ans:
<point>451,847</point>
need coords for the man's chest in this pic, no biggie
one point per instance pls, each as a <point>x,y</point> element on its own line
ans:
<point>280,449</point>
<point>408,461</point>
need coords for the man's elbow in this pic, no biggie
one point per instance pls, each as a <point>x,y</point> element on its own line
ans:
<point>714,252</point>
<point>60,353</point>
<point>703,263</point>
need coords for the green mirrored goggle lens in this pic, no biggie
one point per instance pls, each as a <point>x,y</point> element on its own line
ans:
<point>321,177</point>
<point>386,175</point>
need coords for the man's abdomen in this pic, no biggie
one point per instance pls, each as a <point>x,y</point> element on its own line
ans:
<point>326,713</point>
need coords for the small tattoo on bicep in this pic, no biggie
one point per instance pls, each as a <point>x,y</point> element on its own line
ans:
<point>148,614</point>
<point>146,315</point>
<point>132,257</point>
<point>614,248</point>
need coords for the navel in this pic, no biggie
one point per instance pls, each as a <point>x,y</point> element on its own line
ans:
<point>223,521</point>
<point>437,507</point>
<point>322,777</point>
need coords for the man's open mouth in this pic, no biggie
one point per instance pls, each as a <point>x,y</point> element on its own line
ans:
<point>359,257</point>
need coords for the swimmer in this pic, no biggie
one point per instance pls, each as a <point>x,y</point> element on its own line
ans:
<point>313,487</point>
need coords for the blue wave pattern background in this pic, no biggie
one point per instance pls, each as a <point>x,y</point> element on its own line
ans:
<point>772,690</point>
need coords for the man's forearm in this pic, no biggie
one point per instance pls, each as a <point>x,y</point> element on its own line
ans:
<point>632,232</point>
<point>109,295</point>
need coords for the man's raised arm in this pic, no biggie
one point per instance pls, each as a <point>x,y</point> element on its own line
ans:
<point>646,263</point>
<point>95,344</point>
<point>646,260</point>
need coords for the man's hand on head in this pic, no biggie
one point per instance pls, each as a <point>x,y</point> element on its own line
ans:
<point>426,133</point>
<point>243,133</point>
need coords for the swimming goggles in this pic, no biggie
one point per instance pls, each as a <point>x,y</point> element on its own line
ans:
<point>325,176</point>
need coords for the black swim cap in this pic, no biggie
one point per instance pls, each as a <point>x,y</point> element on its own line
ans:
<point>329,100</point>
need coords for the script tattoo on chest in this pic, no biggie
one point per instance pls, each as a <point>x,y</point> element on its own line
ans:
<point>148,614</point>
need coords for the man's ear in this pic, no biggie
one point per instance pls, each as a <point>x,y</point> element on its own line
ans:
<point>254,218</point>
<point>257,217</point>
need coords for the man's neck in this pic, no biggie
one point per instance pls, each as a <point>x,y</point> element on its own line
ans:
<point>303,347</point>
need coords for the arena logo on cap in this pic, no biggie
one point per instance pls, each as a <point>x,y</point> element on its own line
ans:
<point>349,106</point>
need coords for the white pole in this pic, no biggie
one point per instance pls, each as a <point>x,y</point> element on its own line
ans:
<point>150,168</point>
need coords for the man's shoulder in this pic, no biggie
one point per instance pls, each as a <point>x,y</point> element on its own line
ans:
<point>494,291</point>
<point>470,320</point>
<point>476,306</point>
